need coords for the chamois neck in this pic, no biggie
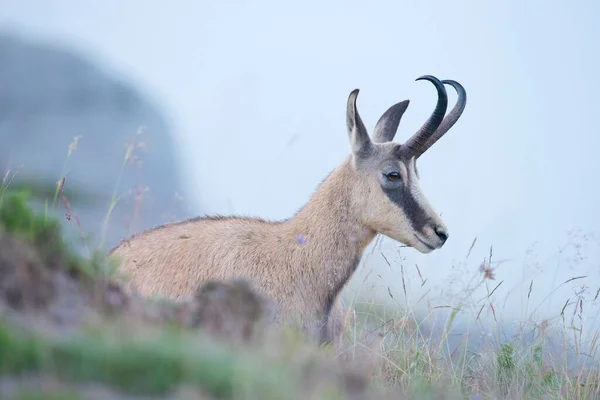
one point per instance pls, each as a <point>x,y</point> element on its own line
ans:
<point>330,234</point>
<point>333,203</point>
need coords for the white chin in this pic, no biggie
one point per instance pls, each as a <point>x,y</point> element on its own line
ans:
<point>423,249</point>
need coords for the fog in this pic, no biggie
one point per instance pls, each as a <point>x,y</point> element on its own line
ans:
<point>256,92</point>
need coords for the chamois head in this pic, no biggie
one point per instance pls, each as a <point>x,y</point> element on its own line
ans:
<point>388,187</point>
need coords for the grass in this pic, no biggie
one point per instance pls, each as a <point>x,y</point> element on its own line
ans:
<point>390,347</point>
<point>416,352</point>
<point>124,364</point>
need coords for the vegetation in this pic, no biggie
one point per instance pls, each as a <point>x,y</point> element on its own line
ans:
<point>69,331</point>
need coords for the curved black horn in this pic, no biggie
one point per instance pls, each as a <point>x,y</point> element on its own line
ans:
<point>413,145</point>
<point>450,119</point>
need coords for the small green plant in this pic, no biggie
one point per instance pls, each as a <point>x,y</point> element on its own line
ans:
<point>42,232</point>
<point>506,361</point>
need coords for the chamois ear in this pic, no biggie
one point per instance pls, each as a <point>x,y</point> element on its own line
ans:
<point>386,127</point>
<point>359,138</point>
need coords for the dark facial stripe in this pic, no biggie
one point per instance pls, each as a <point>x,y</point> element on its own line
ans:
<point>403,198</point>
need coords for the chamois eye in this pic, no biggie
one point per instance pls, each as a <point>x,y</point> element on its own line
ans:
<point>393,176</point>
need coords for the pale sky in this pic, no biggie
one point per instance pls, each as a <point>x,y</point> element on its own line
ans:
<point>257,92</point>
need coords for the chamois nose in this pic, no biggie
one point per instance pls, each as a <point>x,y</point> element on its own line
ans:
<point>442,233</point>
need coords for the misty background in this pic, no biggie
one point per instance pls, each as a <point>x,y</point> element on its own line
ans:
<point>251,96</point>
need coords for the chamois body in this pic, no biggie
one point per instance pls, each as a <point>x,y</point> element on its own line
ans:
<point>302,263</point>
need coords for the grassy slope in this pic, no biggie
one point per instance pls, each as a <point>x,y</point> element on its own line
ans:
<point>151,356</point>
<point>131,348</point>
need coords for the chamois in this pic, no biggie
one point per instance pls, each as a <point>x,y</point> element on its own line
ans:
<point>302,263</point>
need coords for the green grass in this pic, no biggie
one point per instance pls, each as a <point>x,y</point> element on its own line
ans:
<point>43,233</point>
<point>151,366</point>
<point>421,364</point>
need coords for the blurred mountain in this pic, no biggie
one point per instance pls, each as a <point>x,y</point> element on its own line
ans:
<point>58,111</point>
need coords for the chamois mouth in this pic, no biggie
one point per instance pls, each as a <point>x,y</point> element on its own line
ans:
<point>424,243</point>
